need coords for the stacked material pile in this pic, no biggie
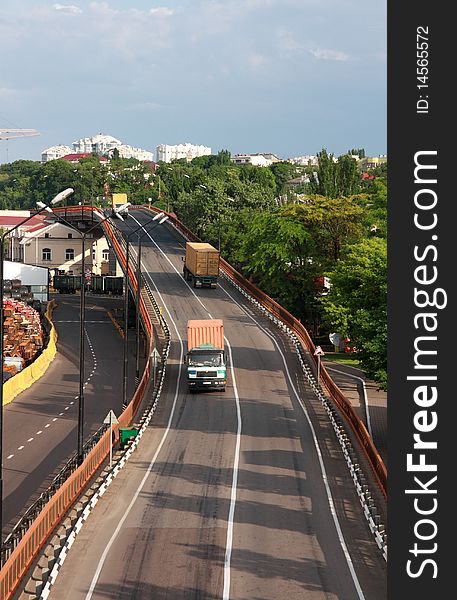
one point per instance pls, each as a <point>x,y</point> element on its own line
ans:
<point>22,334</point>
<point>13,288</point>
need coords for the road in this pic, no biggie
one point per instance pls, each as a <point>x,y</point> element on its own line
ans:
<point>40,425</point>
<point>243,494</point>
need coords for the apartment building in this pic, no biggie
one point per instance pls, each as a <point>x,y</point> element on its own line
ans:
<point>258,159</point>
<point>45,242</point>
<point>167,153</point>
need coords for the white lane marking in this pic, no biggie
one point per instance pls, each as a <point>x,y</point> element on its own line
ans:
<point>20,447</point>
<point>54,419</point>
<point>319,454</point>
<point>150,467</point>
<point>236,462</point>
<point>39,432</point>
<point>30,440</point>
<point>10,456</point>
<point>316,443</point>
<point>48,424</point>
<point>67,407</point>
<point>365,399</point>
<point>228,549</point>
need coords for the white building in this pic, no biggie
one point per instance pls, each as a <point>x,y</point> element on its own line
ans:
<point>258,160</point>
<point>99,144</point>
<point>307,160</point>
<point>126,151</point>
<point>48,243</point>
<point>167,153</point>
<point>55,152</point>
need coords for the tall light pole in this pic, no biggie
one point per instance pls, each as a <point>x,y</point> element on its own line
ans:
<point>81,335</point>
<point>82,309</point>
<point>58,198</point>
<point>160,218</point>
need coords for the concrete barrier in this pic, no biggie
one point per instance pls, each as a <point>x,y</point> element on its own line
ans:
<point>25,378</point>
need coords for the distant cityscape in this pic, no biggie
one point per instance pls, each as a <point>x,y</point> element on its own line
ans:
<point>107,145</point>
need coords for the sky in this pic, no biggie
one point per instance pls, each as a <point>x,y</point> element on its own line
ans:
<point>288,77</point>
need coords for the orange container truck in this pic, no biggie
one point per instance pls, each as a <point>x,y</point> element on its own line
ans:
<point>205,359</point>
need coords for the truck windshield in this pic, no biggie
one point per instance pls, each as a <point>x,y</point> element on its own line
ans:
<point>205,360</point>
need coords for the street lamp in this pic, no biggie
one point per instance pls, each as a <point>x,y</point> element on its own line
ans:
<point>58,198</point>
<point>161,218</point>
<point>117,211</point>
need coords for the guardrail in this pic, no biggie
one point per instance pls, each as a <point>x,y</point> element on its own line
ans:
<point>35,528</point>
<point>356,424</point>
<point>34,538</point>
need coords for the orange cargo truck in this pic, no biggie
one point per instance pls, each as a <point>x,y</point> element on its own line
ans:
<point>205,359</point>
<point>201,264</point>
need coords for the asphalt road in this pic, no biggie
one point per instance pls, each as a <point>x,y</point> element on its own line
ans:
<point>243,494</point>
<point>40,425</point>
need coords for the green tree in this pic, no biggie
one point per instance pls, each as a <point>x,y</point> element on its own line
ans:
<point>276,253</point>
<point>336,178</point>
<point>356,305</point>
<point>331,222</point>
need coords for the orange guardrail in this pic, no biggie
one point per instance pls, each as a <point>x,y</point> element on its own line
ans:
<point>356,424</point>
<point>34,539</point>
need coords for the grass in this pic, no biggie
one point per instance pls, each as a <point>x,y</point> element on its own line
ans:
<point>343,358</point>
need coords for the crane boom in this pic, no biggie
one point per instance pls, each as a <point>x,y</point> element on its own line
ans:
<point>8,134</point>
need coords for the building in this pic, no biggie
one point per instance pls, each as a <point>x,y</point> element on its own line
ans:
<point>126,151</point>
<point>166,153</point>
<point>307,160</point>
<point>371,162</point>
<point>97,144</point>
<point>46,242</point>
<point>101,144</point>
<point>76,157</point>
<point>258,160</point>
<point>55,152</point>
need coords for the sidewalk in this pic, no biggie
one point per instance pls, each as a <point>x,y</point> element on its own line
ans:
<point>368,401</point>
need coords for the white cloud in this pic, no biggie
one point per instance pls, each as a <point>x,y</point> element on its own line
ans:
<point>256,60</point>
<point>7,92</point>
<point>69,8</point>
<point>162,11</point>
<point>325,54</point>
<point>149,106</point>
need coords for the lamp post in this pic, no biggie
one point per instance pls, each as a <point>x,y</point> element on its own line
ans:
<point>58,198</point>
<point>82,308</point>
<point>161,218</point>
<point>81,336</point>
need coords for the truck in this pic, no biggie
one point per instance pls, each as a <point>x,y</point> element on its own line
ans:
<point>201,264</point>
<point>205,359</point>
<point>119,200</point>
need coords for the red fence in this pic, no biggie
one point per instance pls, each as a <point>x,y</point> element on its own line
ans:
<point>51,515</point>
<point>36,536</point>
<point>356,424</point>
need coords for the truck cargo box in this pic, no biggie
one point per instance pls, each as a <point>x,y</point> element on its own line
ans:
<point>208,331</point>
<point>202,259</point>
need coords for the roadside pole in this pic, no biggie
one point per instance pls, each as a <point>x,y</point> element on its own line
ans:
<point>319,352</point>
<point>111,419</point>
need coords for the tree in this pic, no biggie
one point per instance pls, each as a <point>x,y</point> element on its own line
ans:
<point>336,178</point>
<point>277,253</point>
<point>331,222</point>
<point>356,305</point>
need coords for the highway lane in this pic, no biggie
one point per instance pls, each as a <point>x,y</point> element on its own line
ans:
<point>40,425</point>
<point>229,494</point>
